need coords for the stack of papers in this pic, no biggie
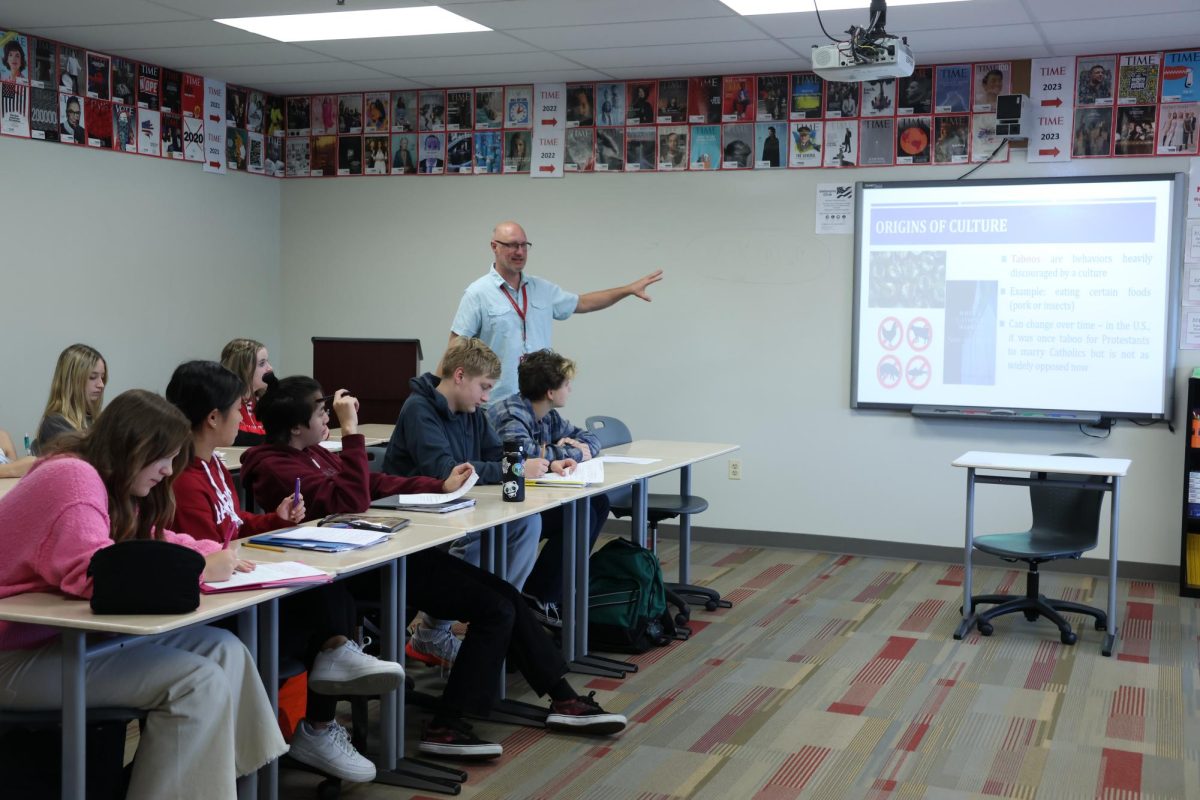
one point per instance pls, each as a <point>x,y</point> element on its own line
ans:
<point>323,540</point>
<point>332,445</point>
<point>268,576</point>
<point>583,474</point>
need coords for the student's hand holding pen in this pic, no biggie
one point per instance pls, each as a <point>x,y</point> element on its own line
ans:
<point>536,467</point>
<point>291,509</point>
<point>220,566</point>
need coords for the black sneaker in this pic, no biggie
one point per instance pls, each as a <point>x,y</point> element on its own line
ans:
<point>584,715</point>
<point>456,741</point>
<point>545,613</point>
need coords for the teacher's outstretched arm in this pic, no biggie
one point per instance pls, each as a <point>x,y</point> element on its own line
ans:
<point>595,301</point>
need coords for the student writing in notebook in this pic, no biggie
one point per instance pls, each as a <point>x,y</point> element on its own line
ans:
<point>209,719</point>
<point>500,624</point>
<point>313,623</point>
<point>12,464</point>
<point>531,419</point>
<point>441,424</point>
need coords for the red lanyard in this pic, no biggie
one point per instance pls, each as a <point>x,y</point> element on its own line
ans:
<point>520,311</point>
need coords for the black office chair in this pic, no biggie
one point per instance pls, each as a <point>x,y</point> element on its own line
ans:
<point>1066,523</point>
<point>31,759</point>
<point>611,432</point>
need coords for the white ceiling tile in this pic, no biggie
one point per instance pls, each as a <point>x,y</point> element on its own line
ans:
<point>510,78</point>
<point>633,34</point>
<point>710,68</point>
<point>522,14</point>
<point>720,52</point>
<point>119,38</point>
<point>1093,9</point>
<point>219,9</point>
<point>232,55</point>
<point>964,56</point>
<point>457,44</point>
<point>23,14</point>
<point>995,36</point>
<point>279,73</point>
<point>338,87</point>
<point>1107,30</point>
<point>460,65</point>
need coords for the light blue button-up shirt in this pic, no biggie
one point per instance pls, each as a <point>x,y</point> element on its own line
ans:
<point>485,312</point>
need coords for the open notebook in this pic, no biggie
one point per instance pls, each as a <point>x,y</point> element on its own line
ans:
<point>584,474</point>
<point>268,576</point>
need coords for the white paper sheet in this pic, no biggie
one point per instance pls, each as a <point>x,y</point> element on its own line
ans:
<point>269,573</point>
<point>627,460</point>
<point>429,499</point>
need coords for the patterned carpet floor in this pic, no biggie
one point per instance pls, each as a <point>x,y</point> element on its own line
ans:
<point>838,677</point>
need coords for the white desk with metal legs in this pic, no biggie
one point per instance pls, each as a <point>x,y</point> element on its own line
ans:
<point>1112,468</point>
<point>75,620</point>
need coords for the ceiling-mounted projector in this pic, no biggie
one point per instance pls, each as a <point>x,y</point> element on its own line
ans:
<point>870,54</point>
<point>839,62</point>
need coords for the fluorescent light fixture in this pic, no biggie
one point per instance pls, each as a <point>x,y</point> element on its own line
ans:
<point>417,21</point>
<point>751,7</point>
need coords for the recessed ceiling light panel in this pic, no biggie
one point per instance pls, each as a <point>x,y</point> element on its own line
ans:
<point>419,21</point>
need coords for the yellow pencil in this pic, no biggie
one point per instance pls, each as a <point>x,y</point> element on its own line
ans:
<point>264,547</point>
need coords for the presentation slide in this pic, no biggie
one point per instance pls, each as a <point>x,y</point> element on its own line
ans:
<point>1011,295</point>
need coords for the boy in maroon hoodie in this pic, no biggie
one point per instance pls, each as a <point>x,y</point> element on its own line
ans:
<point>299,422</point>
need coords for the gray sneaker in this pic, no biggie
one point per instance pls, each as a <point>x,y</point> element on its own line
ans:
<point>437,647</point>
<point>331,752</point>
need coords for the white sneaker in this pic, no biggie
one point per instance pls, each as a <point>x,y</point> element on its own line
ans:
<point>330,751</point>
<point>348,670</point>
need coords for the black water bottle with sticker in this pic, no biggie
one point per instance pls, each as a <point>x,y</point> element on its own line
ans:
<point>512,481</point>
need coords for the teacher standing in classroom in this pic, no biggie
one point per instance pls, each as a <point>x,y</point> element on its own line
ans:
<point>512,312</point>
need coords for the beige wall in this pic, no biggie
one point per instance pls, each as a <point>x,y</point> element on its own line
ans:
<point>149,262</point>
<point>747,340</point>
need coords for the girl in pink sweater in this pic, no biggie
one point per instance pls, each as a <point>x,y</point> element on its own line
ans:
<point>209,720</point>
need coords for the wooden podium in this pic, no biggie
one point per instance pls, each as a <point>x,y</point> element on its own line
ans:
<point>376,371</point>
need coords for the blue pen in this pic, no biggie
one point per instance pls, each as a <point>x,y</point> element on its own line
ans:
<point>28,444</point>
<point>296,494</point>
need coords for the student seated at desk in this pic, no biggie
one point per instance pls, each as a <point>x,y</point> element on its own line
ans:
<point>441,425</point>
<point>12,465</point>
<point>209,719</point>
<point>499,621</point>
<point>76,394</point>
<point>247,359</point>
<point>313,623</point>
<point>296,419</point>
<point>531,419</point>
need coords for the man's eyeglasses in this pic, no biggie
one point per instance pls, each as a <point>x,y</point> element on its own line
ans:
<point>514,245</point>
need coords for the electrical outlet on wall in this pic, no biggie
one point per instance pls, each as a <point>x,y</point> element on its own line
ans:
<point>735,469</point>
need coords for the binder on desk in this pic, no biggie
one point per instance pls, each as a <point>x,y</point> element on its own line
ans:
<point>322,540</point>
<point>268,576</point>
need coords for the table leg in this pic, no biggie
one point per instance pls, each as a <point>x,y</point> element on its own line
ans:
<point>391,624</point>
<point>572,599</point>
<point>1110,636</point>
<point>74,714</point>
<point>247,631</point>
<point>268,669</point>
<point>401,771</point>
<point>640,488</point>
<point>685,527</point>
<point>584,662</point>
<point>968,613</point>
